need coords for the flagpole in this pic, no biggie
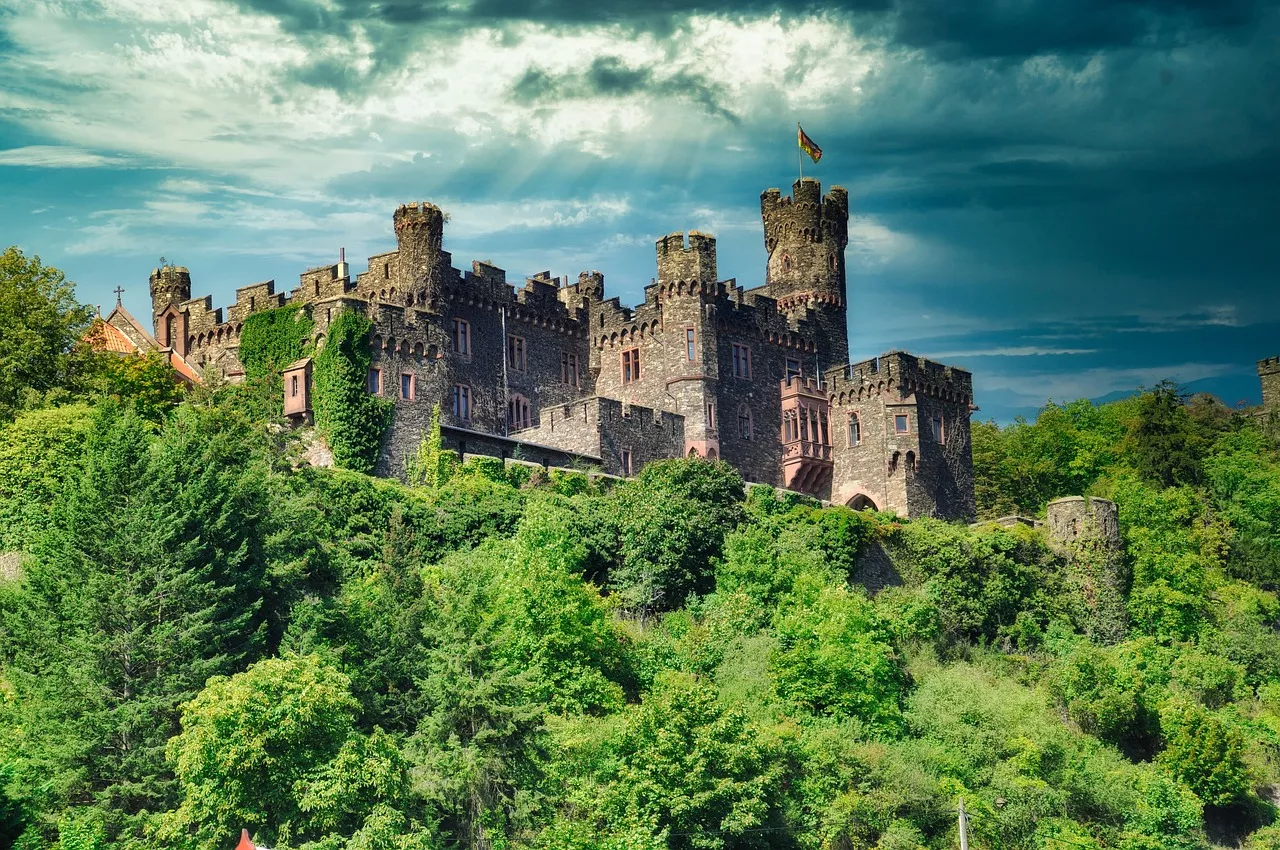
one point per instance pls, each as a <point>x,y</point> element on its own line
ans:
<point>799,152</point>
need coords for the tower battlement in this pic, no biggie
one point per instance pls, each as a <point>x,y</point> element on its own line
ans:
<point>695,261</point>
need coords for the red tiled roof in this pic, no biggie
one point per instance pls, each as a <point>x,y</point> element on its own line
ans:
<point>103,336</point>
<point>128,317</point>
<point>182,367</point>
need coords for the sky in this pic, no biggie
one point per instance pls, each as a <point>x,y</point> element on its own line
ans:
<point>1069,198</point>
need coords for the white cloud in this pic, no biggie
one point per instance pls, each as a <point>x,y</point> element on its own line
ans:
<point>1092,383</point>
<point>58,156</point>
<point>206,85</point>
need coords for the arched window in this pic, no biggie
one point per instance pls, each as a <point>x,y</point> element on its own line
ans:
<point>911,464</point>
<point>786,262</point>
<point>855,430</point>
<point>744,422</point>
<point>519,414</point>
<point>893,462</point>
<point>693,452</point>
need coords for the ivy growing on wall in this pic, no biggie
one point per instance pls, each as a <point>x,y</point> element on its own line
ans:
<point>272,339</point>
<point>347,416</point>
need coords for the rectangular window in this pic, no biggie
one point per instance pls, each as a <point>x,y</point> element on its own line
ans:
<point>900,423</point>
<point>569,369</point>
<point>519,413</point>
<point>855,431</point>
<point>744,422</point>
<point>462,402</point>
<point>375,381</point>
<point>294,390</point>
<point>711,416</point>
<point>516,354</point>
<point>630,365</point>
<point>690,349</point>
<point>804,424</point>
<point>406,386</point>
<point>794,369</point>
<point>741,361</point>
<point>626,461</point>
<point>937,430</point>
<point>461,337</point>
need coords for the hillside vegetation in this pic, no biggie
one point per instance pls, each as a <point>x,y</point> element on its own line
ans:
<point>203,633</point>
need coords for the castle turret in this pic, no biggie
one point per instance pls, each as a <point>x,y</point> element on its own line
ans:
<point>805,236</point>
<point>694,264</point>
<point>419,237</point>
<point>170,285</point>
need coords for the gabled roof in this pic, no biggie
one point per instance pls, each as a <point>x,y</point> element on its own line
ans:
<point>128,317</point>
<point>105,335</point>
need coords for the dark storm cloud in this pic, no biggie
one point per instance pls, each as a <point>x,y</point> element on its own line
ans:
<point>952,29</point>
<point>609,76</point>
<point>1030,27</point>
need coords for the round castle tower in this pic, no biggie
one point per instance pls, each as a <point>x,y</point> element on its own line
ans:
<point>169,285</point>
<point>1086,532</point>
<point>419,238</point>
<point>806,235</point>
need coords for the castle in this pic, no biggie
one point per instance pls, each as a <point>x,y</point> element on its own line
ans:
<point>555,372</point>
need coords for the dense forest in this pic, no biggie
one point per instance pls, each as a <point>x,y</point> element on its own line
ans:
<point>202,632</point>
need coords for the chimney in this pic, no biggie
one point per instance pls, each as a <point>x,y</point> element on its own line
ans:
<point>343,270</point>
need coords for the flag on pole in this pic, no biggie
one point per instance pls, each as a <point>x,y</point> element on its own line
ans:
<point>807,144</point>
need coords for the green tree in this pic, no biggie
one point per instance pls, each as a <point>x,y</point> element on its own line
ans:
<point>145,382</point>
<point>40,456</point>
<point>148,581</point>
<point>1164,446</point>
<point>511,636</point>
<point>683,764</point>
<point>671,521</point>
<point>834,657</point>
<point>40,322</point>
<point>275,750</point>
<point>1205,752</point>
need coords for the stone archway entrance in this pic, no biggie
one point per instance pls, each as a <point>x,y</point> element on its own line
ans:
<point>862,502</point>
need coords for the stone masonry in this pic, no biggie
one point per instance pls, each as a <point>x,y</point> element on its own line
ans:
<point>554,369</point>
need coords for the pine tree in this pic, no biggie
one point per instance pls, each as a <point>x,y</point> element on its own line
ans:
<point>147,583</point>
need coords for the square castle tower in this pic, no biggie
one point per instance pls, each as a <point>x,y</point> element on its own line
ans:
<point>555,372</point>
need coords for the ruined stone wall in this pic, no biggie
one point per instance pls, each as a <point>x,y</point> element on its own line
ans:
<point>1086,532</point>
<point>1269,375</point>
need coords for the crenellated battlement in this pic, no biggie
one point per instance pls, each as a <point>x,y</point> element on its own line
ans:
<point>903,374</point>
<point>694,262</point>
<point>1269,366</point>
